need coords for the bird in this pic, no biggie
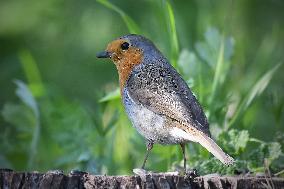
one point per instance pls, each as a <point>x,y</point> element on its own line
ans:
<point>157,100</point>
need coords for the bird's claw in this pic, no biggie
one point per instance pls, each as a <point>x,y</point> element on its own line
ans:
<point>140,171</point>
<point>189,173</point>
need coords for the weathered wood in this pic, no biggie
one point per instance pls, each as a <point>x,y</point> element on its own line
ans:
<point>56,179</point>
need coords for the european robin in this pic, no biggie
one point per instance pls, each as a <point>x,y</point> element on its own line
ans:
<point>157,100</point>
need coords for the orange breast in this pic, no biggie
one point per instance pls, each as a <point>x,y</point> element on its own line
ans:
<point>125,65</point>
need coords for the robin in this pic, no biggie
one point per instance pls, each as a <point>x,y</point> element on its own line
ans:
<point>157,100</point>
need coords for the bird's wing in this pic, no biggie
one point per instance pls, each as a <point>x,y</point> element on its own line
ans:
<point>159,88</point>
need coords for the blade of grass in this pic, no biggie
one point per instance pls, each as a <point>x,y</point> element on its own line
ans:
<point>112,122</point>
<point>114,95</point>
<point>173,33</point>
<point>255,91</point>
<point>131,25</point>
<point>32,73</point>
<point>260,86</point>
<point>218,70</point>
<point>220,60</point>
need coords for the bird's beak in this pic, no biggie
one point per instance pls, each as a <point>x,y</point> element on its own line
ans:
<point>104,54</point>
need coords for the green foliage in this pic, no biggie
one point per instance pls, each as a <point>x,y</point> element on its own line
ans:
<point>215,48</point>
<point>65,114</point>
<point>233,141</point>
<point>254,92</point>
<point>32,72</point>
<point>27,98</point>
<point>250,154</point>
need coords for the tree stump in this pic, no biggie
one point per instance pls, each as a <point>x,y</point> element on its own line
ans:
<point>56,179</point>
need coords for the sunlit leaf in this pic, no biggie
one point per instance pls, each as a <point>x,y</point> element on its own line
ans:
<point>32,73</point>
<point>114,95</point>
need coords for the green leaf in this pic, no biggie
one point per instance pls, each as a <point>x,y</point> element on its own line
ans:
<point>261,85</point>
<point>239,139</point>
<point>111,123</point>
<point>216,51</point>
<point>234,140</point>
<point>211,49</point>
<point>255,91</point>
<point>114,95</point>
<point>264,151</point>
<point>187,63</point>
<point>131,25</point>
<point>218,71</point>
<point>173,33</point>
<point>274,149</point>
<point>24,93</point>
<point>32,73</point>
<point>208,50</point>
<point>213,38</point>
<point>229,48</point>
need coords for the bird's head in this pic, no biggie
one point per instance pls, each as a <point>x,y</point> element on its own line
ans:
<point>128,51</point>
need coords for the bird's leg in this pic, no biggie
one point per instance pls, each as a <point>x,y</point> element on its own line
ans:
<point>187,173</point>
<point>182,145</point>
<point>149,148</point>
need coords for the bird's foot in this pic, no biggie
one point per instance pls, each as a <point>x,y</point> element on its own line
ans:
<point>189,173</point>
<point>140,171</point>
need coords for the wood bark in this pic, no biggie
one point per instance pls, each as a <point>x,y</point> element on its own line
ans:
<point>56,179</point>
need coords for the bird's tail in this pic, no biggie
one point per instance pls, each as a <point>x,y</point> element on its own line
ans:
<point>212,147</point>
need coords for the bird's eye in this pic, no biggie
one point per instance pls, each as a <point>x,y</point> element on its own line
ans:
<point>124,46</point>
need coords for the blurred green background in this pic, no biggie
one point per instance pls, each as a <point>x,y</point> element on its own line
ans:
<point>60,107</point>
